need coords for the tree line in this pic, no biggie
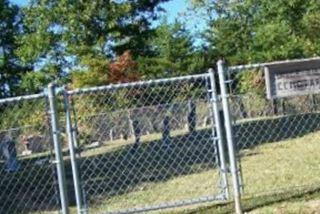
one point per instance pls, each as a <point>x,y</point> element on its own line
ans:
<point>86,43</point>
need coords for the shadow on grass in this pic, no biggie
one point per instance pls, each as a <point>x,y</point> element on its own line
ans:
<point>256,132</point>
<point>129,168</point>
<point>121,171</point>
<point>125,170</point>
<point>253,203</point>
<point>33,187</point>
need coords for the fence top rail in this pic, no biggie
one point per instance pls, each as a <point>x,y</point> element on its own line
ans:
<point>21,98</point>
<point>239,68</point>
<point>137,84</point>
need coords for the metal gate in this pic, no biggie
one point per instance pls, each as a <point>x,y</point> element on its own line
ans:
<point>145,146</point>
<point>31,168</point>
<point>124,148</point>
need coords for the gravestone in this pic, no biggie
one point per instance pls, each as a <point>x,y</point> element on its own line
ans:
<point>9,152</point>
<point>136,131</point>
<point>191,116</point>
<point>166,130</point>
<point>33,144</point>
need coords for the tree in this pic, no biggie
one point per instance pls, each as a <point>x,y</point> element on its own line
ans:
<point>124,69</point>
<point>68,34</point>
<point>10,66</point>
<point>247,31</point>
<point>101,72</point>
<point>173,53</point>
<point>95,74</point>
<point>253,31</point>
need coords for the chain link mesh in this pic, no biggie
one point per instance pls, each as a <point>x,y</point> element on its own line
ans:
<point>277,139</point>
<point>151,145</point>
<point>27,175</point>
<point>146,145</point>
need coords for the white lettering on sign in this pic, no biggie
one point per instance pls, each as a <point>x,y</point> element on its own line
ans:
<point>304,81</point>
<point>292,79</point>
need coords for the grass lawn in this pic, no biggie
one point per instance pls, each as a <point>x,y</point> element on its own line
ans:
<point>302,206</point>
<point>279,177</point>
<point>304,201</point>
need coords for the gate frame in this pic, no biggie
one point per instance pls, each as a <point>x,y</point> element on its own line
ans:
<point>216,138</point>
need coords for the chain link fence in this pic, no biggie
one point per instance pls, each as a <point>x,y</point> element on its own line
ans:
<point>28,181</point>
<point>277,140</point>
<point>147,145</point>
<point>125,148</point>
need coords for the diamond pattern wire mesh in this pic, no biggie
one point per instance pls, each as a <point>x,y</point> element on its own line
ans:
<point>27,174</point>
<point>277,140</point>
<point>146,145</point>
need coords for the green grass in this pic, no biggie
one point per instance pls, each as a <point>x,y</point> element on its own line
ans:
<point>274,169</point>
<point>284,164</point>
<point>181,188</point>
<point>302,206</point>
<point>302,200</point>
<point>110,146</point>
<point>280,177</point>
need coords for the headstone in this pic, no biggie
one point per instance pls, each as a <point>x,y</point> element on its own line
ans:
<point>8,150</point>
<point>191,116</point>
<point>166,130</point>
<point>136,131</point>
<point>206,121</point>
<point>33,143</point>
<point>111,134</point>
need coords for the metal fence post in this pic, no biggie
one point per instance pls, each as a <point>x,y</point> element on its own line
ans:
<point>57,149</point>
<point>217,121</point>
<point>229,133</point>
<point>75,128</point>
<point>75,173</point>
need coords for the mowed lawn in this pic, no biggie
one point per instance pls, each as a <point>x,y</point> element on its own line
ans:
<point>280,177</point>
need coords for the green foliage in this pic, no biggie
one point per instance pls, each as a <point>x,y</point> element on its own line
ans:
<point>173,53</point>
<point>28,116</point>
<point>10,67</point>
<point>250,82</point>
<point>81,37</point>
<point>252,31</point>
<point>33,82</point>
<point>256,31</point>
<point>57,30</point>
<point>94,73</point>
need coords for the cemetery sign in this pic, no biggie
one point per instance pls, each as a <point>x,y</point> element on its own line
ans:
<point>285,79</point>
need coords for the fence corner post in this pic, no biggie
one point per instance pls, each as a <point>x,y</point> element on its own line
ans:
<point>57,149</point>
<point>230,140</point>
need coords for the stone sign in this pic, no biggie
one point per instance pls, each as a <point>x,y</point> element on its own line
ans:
<point>287,79</point>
